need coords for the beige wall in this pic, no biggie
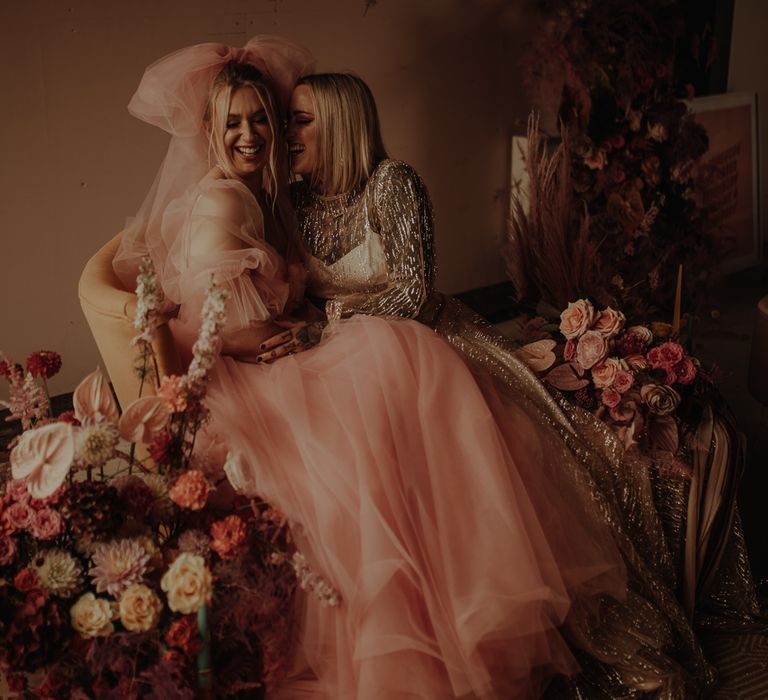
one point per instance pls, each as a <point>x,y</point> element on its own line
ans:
<point>74,164</point>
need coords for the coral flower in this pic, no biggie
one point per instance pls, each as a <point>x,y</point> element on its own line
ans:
<point>228,536</point>
<point>190,490</point>
<point>43,458</point>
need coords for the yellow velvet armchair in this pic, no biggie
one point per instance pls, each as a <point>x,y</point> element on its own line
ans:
<point>109,309</point>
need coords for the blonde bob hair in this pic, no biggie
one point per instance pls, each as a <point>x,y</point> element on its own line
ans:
<point>349,143</point>
<point>230,78</point>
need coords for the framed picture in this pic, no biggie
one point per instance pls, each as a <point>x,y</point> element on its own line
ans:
<point>732,195</point>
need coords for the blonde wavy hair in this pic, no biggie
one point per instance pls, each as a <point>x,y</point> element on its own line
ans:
<point>349,142</point>
<point>230,78</point>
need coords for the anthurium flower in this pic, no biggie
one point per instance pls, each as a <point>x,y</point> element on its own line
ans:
<point>43,457</point>
<point>144,419</point>
<point>538,355</point>
<point>564,377</point>
<point>93,400</point>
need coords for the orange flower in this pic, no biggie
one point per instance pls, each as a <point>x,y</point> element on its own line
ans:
<point>228,536</point>
<point>190,490</point>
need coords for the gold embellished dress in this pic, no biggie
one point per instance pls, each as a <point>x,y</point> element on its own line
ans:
<point>372,252</point>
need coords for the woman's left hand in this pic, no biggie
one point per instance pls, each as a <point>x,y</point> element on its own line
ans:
<point>299,336</point>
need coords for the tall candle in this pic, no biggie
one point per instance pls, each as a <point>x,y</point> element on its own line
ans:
<point>678,302</point>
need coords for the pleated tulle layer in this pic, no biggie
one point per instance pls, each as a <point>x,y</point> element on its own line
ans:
<point>430,500</point>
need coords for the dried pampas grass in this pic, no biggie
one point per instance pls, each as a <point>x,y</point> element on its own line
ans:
<point>549,253</point>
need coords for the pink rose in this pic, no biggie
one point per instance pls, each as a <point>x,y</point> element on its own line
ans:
<point>685,371</point>
<point>636,363</point>
<point>569,351</point>
<point>670,377</point>
<point>43,457</point>
<point>17,490</point>
<point>144,419</point>
<point>628,409</point>
<point>93,400</point>
<point>8,549</point>
<point>577,318</point>
<point>592,348</point>
<point>609,322</point>
<point>46,524</point>
<point>623,381</point>
<point>610,398</point>
<point>17,516</point>
<point>671,353</point>
<point>25,580</point>
<point>604,373</point>
<point>190,490</point>
<point>666,355</point>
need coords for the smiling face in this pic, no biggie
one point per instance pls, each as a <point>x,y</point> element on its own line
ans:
<point>247,134</point>
<point>302,132</point>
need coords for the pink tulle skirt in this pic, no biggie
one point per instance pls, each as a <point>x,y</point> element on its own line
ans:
<point>430,499</point>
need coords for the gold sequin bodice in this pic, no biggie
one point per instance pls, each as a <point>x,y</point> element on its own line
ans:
<point>372,248</point>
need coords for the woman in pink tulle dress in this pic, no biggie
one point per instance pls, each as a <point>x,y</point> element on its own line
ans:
<point>428,497</point>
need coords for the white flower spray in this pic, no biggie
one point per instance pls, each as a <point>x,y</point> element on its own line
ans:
<point>313,582</point>
<point>204,353</point>
<point>149,298</point>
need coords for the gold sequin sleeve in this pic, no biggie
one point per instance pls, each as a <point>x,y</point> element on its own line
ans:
<point>398,209</point>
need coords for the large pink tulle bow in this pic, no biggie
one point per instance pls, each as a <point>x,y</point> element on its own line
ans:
<point>174,90</point>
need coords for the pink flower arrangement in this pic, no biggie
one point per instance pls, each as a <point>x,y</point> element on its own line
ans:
<point>94,561</point>
<point>629,377</point>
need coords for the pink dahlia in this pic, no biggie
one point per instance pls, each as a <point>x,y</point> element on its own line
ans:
<point>117,565</point>
<point>8,549</point>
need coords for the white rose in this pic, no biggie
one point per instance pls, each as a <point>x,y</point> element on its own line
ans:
<point>140,608</point>
<point>92,616</point>
<point>188,583</point>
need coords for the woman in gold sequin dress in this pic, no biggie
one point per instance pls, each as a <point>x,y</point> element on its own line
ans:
<point>419,491</point>
<point>367,223</point>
